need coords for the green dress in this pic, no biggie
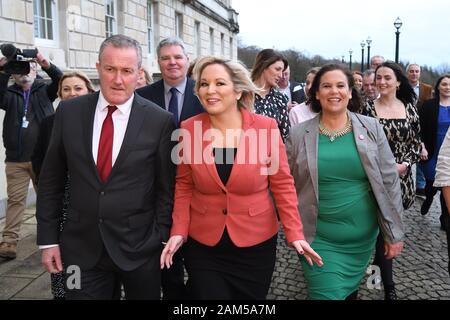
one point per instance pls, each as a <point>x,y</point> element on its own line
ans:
<point>347,225</point>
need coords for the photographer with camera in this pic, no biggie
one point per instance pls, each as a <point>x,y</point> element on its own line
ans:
<point>26,104</point>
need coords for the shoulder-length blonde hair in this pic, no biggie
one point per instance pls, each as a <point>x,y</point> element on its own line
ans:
<point>78,74</point>
<point>239,75</point>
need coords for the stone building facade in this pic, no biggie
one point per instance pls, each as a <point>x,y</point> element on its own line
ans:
<point>71,31</point>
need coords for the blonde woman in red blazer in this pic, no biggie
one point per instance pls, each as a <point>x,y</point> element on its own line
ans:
<point>231,160</point>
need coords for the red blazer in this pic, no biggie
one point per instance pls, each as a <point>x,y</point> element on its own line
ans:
<point>204,206</point>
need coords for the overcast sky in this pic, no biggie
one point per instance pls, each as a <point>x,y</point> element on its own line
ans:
<point>331,27</point>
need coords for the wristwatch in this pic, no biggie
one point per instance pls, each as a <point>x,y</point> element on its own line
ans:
<point>407,164</point>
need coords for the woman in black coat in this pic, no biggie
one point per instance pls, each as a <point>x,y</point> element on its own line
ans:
<point>71,85</point>
<point>434,121</point>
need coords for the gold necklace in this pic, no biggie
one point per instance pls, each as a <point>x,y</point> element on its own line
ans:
<point>333,134</point>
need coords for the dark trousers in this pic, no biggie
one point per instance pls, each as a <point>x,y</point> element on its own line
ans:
<point>430,192</point>
<point>104,281</point>
<point>448,241</point>
<point>172,280</point>
<point>384,264</point>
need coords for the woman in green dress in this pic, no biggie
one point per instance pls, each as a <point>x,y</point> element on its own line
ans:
<point>347,186</point>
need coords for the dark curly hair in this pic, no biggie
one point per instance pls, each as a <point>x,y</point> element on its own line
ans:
<point>405,93</point>
<point>354,104</point>
<point>436,87</point>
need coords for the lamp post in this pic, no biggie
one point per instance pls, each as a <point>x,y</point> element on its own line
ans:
<point>362,55</point>
<point>397,24</point>
<point>368,41</point>
<point>350,62</point>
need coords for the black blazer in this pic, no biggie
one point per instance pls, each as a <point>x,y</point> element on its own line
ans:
<point>429,114</point>
<point>41,146</point>
<point>191,105</point>
<point>131,213</point>
<point>298,95</point>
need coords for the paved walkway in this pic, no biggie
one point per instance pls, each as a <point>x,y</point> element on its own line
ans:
<point>420,272</point>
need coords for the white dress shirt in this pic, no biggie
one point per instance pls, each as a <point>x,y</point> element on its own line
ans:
<point>120,119</point>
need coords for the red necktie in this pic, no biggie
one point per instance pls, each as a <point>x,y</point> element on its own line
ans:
<point>104,156</point>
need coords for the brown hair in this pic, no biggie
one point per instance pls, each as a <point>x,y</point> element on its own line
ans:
<point>264,59</point>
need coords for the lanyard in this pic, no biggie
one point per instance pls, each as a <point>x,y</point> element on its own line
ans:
<point>26,98</point>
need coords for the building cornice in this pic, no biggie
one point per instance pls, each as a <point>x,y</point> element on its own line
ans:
<point>231,23</point>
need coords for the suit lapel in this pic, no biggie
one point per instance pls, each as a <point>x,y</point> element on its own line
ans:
<point>88,119</point>
<point>311,146</point>
<point>360,135</point>
<point>159,96</point>
<point>187,102</point>
<point>134,125</point>
<point>243,148</point>
<point>207,155</point>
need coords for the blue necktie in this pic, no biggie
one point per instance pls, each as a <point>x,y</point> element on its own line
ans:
<point>173,105</point>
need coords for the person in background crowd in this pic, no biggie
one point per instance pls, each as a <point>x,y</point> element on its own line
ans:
<point>26,103</point>
<point>303,111</point>
<point>292,89</point>
<point>434,123</point>
<point>358,80</point>
<point>347,185</point>
<point>144,79</point>
<point>223,209</point>
<point>369,88</point>
<point>72,84</point>
<point>375,61</point>
<point>442,180</point>
<point>395,110</point>
<point>269,101</point>
<point>423,92</point>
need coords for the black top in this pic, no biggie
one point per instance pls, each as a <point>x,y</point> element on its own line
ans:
<point>224,159</point>
<point>429,115</point>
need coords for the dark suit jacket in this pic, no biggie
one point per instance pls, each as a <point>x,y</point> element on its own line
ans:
<point>191,104</point>
<point>129,214</point>
<point>425,93</point>
<point>298,95</point>
<point>40,149</point>
<point>429,114</point>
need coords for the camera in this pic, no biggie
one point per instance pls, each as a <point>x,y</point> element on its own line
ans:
<point>18,60</point>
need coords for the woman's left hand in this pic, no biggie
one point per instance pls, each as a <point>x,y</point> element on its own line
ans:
<point>305,249</point>
<point>402,169</point>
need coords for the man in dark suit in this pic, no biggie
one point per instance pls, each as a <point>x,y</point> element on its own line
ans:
<point>173,63</point>
<point>424,92</point>
<point>293,90</point>
<point>175,93</point>
<point>115,147</point>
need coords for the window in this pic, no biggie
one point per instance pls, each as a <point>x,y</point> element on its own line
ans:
<point>222,44</point>
<point>211,40</point>
<point>150,27</point>
<point>110,17</point>
<point>45,20</point>
<point>231,47</point>
<point>198,39</point>
<point>179,25</point>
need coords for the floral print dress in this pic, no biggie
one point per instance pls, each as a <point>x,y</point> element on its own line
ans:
<point>275,105</point>
<point>403,136</point>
